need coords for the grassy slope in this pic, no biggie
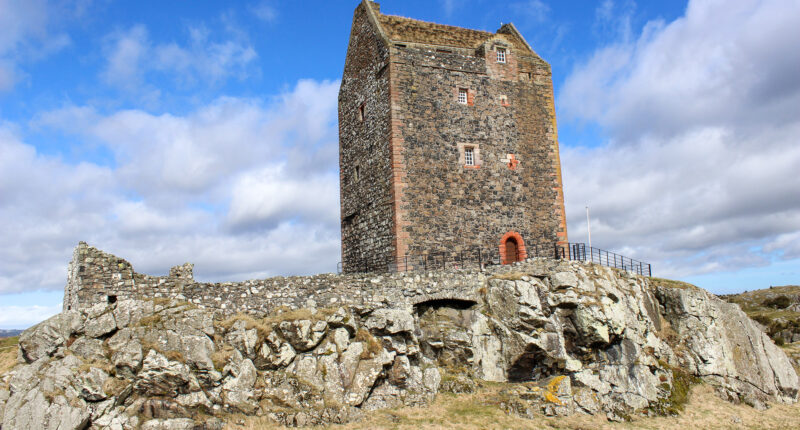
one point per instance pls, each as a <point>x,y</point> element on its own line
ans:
<point>8,353</point>
<point>475,411</point>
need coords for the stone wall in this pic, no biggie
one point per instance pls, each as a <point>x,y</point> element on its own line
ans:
<point>98,277</point>
<point>366,210</point>
<point>451,207</point>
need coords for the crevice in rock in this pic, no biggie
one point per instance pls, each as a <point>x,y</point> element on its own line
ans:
<point>533,364</point>
<point>459,304</point>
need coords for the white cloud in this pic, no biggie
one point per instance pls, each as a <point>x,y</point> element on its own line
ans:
<point>163,157</point>
<point>25,316</point>
<point>534,10</point>
<point>700,170</point>
<point>230,187</point>
<point>125,57</point>
<point>613,19</point>
<point>264,11</point>
<point>271,194</point>
<point>131,56</point>
<point>27,34</point>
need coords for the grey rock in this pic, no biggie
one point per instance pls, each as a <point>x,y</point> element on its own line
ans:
<point>126,351</point>
<point>161,377</point>
<point>88,349</point>
<point>304,335</point>
<point>274,353</point>
<point>366,373</point>
<point>100,325</point>
<point>583,338</point>
<point>563,280</point>
<point>33,410</point>
<point>390,321</point>
<point>91,387</point>
<point>169,424</point>
<point>4,395</point>
<point>726,348</point>
<point>243,339</point>
<point>238,389</point>
<point>343,318</point>
<point>116,420</point>
<point>45,338</point>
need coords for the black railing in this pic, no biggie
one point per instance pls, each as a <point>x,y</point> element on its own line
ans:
<point>581,252</point>
<point>479,258</point>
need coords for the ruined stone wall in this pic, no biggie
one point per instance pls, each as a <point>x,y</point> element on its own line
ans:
<point>366,209</point>
<point>98,277</point>
<point>451,207</point>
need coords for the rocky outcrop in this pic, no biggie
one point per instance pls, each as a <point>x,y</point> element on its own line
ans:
<point>563,337</point>
<point>721,344</point>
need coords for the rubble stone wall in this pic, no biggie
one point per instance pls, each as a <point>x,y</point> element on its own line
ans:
<point>364,156</point>
<point>98,277</point>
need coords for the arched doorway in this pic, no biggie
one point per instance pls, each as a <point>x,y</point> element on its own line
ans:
<point>512,253</point>
<point>512,248</point>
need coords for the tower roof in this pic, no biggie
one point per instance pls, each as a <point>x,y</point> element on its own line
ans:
<point>400,29</point>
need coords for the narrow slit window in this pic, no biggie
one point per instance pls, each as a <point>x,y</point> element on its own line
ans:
<point>501,55</point>
<point>462,96</point>
<point>469,156</point>
<point>357,173</point>
<point>361,112</point>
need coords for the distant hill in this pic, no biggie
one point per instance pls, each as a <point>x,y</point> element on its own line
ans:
<point>9,333</point>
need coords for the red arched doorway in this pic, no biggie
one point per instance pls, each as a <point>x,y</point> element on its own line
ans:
<point>512,248</point>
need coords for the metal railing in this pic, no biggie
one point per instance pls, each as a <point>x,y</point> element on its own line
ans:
<point>479,258</point>
<point>581,252</point>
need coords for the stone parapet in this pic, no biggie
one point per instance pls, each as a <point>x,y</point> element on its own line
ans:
<point>98,277</point>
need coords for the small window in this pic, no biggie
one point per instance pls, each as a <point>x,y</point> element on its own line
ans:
<point>469,156</point>
<point>462,96</point>
<point>361,112</point>
<point>356,173</point>
<point>501,55</point>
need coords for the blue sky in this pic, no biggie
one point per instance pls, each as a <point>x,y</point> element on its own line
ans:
<point>206,132</point>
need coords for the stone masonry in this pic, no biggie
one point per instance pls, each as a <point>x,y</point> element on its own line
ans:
<point>407,186</point>
<point>96,277</point>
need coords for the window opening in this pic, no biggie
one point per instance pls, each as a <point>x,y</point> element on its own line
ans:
<point>462,96</point>
<point>501,55</point>
<point>361,112</point>
<point>357,173</point>
<point>469,156</point>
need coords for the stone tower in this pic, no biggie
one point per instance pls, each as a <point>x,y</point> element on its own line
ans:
<point>447,144</point>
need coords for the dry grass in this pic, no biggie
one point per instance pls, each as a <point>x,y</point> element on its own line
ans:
<point>471,411</point>
<point>510,276</point>
<point>105,366</point>
<point>8,353</point>
<point>114,386</point>
<point>669,283</point>
<point>373,345</point>
<point>221,356</point>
